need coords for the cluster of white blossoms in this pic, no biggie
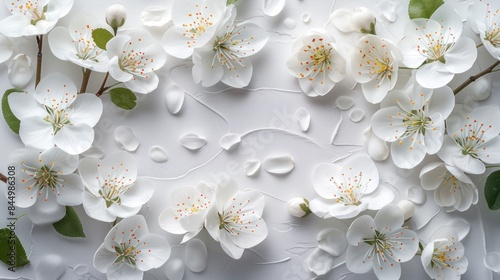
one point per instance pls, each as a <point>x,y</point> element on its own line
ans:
<point>232,217</point>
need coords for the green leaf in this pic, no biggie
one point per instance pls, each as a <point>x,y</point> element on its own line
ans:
<point>423,8</point>
<point>9,117</point>
<point>70,225</point>
<point>229,2</point>
<point>123,98</point>
<point>101,37</point>
<point>11,250</point>
<point>492,190</point>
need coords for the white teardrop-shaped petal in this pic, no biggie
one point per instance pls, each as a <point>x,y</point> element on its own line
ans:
<point>408,208</point>
<point>20,71</point>
<point>333,241</point>
<point>482,88</point>
<point>94,152</point>
<point>81,269</point>
<point>174,98</point>
<point>306,17</point>
<point>196,255</point>
<point>388,10</point>
<point>158,154</point>
<point>457,225</point>
<point>50,267</point>
<point>416,194</point>
<point>289,23</point>
<point>192,141</point>
<point>229,140</point>
<point>281,164</point>
<point>251,167</point>
<point>356,115</point>
<point>304,118</point>
<point>344,103</point>
<point>492,261</point>
<point>376,148</point>
<point>156,16</point>
<point>273,7</point>
<point>126,138</point>
<point>174,270</point>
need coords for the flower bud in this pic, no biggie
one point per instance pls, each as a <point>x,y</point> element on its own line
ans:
<point>20,71</point>
<point>363,20</point>
<point>116,16</point>
<point>408,209</point>
<point>298,207</point>
<point>482,88</point>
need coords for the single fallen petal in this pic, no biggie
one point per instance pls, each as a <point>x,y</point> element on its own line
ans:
<point>50,267</point>
<point>376,148</point>
<point>94,152</point>
<point>126,138</point>
<point>251,167</point>
<point>356,115</point>
<point>229,140</point>
<point>416,194</point>
<point>174,98</point>
<point>344,103</point>
<point>273,7</point>
<point>192,141</point>
<point>281,164</point>
<point>158,154</point>
<point>20,71</point>
<point>174,270</point>
<point>196,255</point>
<point>304,118</point>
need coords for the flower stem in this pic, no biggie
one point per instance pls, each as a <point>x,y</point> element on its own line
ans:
<point>3,178</point>
<point>39,41</point>
<point>480,45</point>
<point>475,77</point>
<point>493,166</point>
<point>103,85</point>
<point>406,68</point>
<point>85,80</point>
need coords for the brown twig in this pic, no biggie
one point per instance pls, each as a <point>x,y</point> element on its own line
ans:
<point>3,178</point>
<point>475,77</point>
<point>103,86</point>
<point>39,40</point>
<point>85,80</point>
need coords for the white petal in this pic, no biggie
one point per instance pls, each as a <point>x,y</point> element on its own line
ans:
<point>175,269</point>
<point>356,258</point>
<point>320,262</point>
<point>158,154</point>
<point>14,25</point>
<point>238,76</point>
<point>174,98</point>
<point>192,141</point>
<point>103,258</point>
<point>121,271</point>
<point>379,198</point>
<point>87,109</point>
<point>388,270</point>
<point>154,252</point>
<point>37,133</point>
<point>176,44</point>
<point>388,218</point>
<point>462,56</point>
<point>95,207</point>
<point>197,254</point>
<point>387,124</point>
<point>409,152</point>
<point>6,48</point>
<point>46,211</point>
<point>126,138</point>
<point>228,246</point>
<point>304,118</point>
<point>434,75</point>
<point>20,71</point>
<point>88,169</point>
<point>56,91</point>
<point>251,167</point>
<point>143,85</point>
<point>333,241</point>
<point>452,23</point>
<point>139,193</point>
<point>430,175</point>
<point>156,16</point>
<point>321,179</point>
<point>59,161</point>
<point>25,105</point>
<point>229,140</point>
<point>225,190</point>
<point>60,43</point>
<point>451,153</point>
<point>207,69</point>
<point>123,211</point>
<point>169,221</point>
<point>361,228</point>
<point>376,148</point>
<point>273,7</point>
<point>70,191</point>
<point>490,152</point>
<point>341,19</point>
<point>50,267</point>
<point>279,164</point>
<point>74,139</point>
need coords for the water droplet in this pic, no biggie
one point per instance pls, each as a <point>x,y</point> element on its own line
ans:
<point>273,7</point>
<point>289,23</point>
<point>344,103</point>
<point>192,141</point>
<point>196,255</point>
<point>174,98</point>
<point>375,147</point>
<point>408,208</point>
<point>156,16</point>
<point>281,164</point>
<point>492,261</point>
<point>93,152</point>
<point>81,269</point>
<point>251,167</point>
<point>304,118</point>
<point>126,138</point>
<point>306,17</point>
<point>158,154</point>
<point>175,269</point>
<point>356,115</point>
<point>416,194</point>
<point>229,140</point>
<point>50,267</point>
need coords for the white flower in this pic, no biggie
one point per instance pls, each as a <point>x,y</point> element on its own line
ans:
<point>113,187</point>
<point>188,209</point>
<point>484,18</point>
<point>349,189</point>
<point>453,189</point>
<point>226,56</point>
<point>195,23</point>
<point>443,258</point>
<point>116,15</point>
<point>133,59</point>
<point>235,220</point>
<point>20,71</point>
<point>56,115</point>
<point>298,207</point>
<point>375,66</point>
<point>413,120</point>
<point>436,47</point>
<point>46,183</point>
<point>380,244</point>
<point>359,19</point>
<point>76,44</point>
<point>473,141</point>
<point>332,243</point>
<point>6,48</point>
<point>129,249</point>
<point>316,62</point>
<point>33,17</point>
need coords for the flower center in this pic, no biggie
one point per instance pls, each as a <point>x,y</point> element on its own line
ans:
<point>125,253</point>
<point>435,45</point>
<point>471,137</point>
<point>493,37</point>
<point>321,56</point>
<point>224,52</point>
<point>45,177</point>
<point>416,122</point>
<point>58,119</point>
<point>228,222</point>
<point>87,49</point>
<point>350,190</point>
<point>380,243</point>
<point>440,258</point>
<point>112,190</point>
<point>31,10</point>
<point>199,25</point>
<point>134,62</point>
